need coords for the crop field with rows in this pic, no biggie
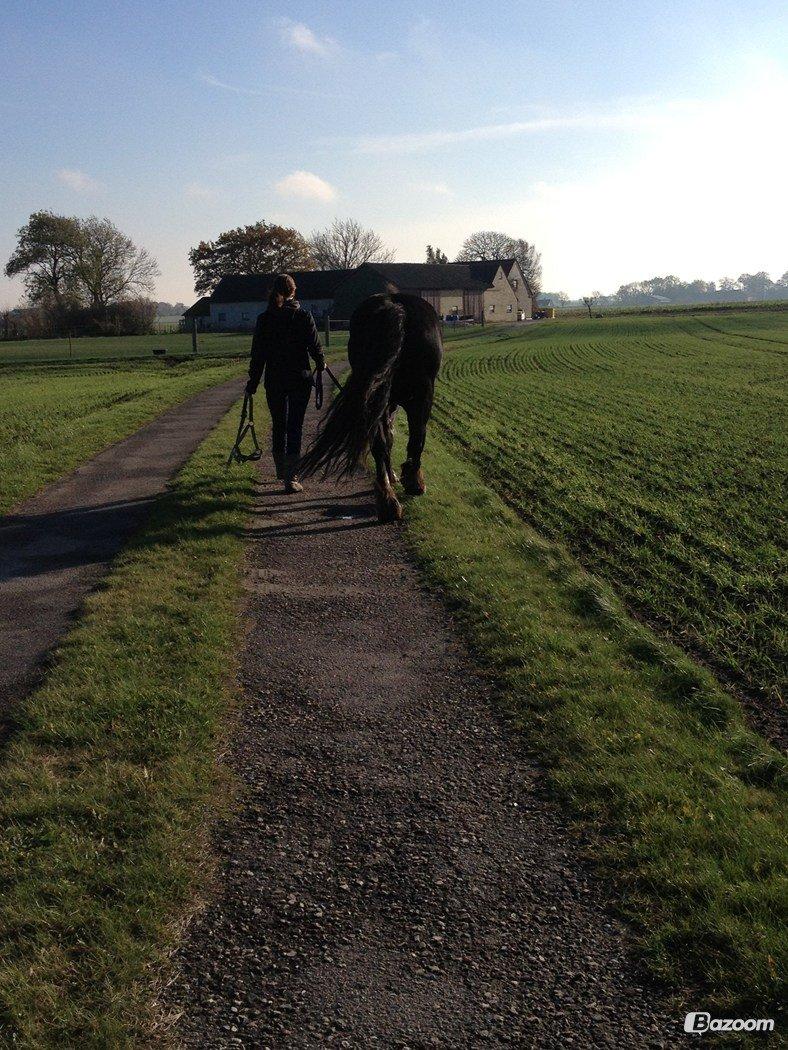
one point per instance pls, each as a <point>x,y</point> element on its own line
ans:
<point>654,448</point>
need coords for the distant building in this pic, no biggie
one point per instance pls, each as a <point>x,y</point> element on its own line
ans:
<point>199,312</point>
<point>495,290</point>
<point>239,298</point>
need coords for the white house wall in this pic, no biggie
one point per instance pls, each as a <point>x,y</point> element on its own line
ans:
<point>239,316</point>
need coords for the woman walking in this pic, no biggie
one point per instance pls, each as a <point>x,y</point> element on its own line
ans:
<point>285,338</point>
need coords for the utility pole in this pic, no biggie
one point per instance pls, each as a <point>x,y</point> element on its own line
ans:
<point>194,335</point>
<point>328,329</point>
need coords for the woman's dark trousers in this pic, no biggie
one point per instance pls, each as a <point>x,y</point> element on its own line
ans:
<point>287,403</point>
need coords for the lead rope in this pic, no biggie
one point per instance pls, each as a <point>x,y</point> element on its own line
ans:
<point>246,426</point>
<point>318,376</point>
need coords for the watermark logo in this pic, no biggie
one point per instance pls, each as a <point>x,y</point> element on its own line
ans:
<point>703,1022</point>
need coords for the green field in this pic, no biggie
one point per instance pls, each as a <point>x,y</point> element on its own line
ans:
<point>654,448</point>
<point>111,348</point>
<point>132,347</point>
<point>52,418</point>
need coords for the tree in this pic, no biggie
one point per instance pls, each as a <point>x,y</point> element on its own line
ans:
<point>346,244</point>
<point>755,285</point>
<point>491,244</point>
<point>109,267</point>
<point>45,255</point>
<point>435,255</point>
<point>590,302</point>
<point>261,248</point>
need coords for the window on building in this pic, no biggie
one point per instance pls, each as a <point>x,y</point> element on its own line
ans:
<point>244,317</point>
<point>492,308</point>
<point>222,318</point>
<point>509,308</point>
<point>514,284</point>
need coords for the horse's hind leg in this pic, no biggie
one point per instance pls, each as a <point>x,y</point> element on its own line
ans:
<point>388,506</point>
<point>418,412</point>
<point>388,441</point>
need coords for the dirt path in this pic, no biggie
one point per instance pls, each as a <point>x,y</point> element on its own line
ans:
<point>392,875</point>
<point>56,546</point>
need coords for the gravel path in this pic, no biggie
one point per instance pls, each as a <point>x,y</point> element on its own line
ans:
<point>392,874</point>
<point>56,546</point>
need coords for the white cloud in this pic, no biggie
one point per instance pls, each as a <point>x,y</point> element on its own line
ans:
<point>196,191</point>
<point>440,189</point>
<point>306,185</point>
<point>213,81</point>
<point>78,180</point>
<point>417,142</point>
<point>302,38</point>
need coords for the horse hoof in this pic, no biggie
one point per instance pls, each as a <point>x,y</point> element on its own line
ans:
<point>388,506</point>
<point>413,480</point>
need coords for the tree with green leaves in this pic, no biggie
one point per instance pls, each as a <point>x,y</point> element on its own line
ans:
<point>44,255</point>
<point>260,248</point>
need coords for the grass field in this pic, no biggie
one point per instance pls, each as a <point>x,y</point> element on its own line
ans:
<point>685,807</point>
<point>53,418</point>
<point>131,347</point>
<point>105,782</point>
<point>653,447</point>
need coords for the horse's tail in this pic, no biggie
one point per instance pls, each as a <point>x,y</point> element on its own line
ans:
<point>377,332</point>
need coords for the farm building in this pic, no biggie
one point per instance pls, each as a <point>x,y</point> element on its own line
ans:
<point>199,312</point>
<point>240,298</point>
<point>495,291</point>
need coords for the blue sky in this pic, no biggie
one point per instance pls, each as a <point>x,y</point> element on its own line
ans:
<point>625,138</point>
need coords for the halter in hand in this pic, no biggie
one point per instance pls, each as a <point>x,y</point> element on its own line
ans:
<point>246,426</point>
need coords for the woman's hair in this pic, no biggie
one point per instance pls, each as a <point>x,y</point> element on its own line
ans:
<point>283,288</point>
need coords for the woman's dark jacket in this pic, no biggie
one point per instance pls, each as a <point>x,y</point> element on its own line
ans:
<point>285,338</point>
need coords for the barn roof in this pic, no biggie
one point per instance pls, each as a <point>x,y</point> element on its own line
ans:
<point>469,276</point>
<point>201,308</point>
<point>254,287</point>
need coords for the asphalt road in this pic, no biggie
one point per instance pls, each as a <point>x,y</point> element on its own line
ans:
<point>56,546</point>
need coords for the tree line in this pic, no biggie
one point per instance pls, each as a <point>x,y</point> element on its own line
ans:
<point>87,275</point>
<point>346,244</point>
<point>747,287</point>
<point>83,274</point>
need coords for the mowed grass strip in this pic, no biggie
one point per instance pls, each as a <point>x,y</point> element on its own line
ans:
<point>105,782</point>
<point>638,741</point>
<point>53,420</point>
<point>654,447</point>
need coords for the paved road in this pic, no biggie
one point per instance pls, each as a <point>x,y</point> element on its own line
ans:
<point>55,547</point>
<point>393,874</point>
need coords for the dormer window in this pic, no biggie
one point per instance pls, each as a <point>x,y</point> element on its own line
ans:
<point>514,284</point>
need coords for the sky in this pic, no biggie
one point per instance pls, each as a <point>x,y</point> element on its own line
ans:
<point>625,139</point>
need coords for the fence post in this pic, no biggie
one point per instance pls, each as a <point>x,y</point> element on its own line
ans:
<point>194,335</point>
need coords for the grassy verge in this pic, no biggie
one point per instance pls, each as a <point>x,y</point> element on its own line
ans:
<point>51,421</point>
<point>639,742</point>
<point>104,785</point>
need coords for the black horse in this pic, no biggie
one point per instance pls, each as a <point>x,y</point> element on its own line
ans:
<point>395,352</point>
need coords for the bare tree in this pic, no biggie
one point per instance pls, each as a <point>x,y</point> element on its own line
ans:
<point>492,244</point>
<point>109,266</point>
<point>590,302</point>
<point>346,244</point>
